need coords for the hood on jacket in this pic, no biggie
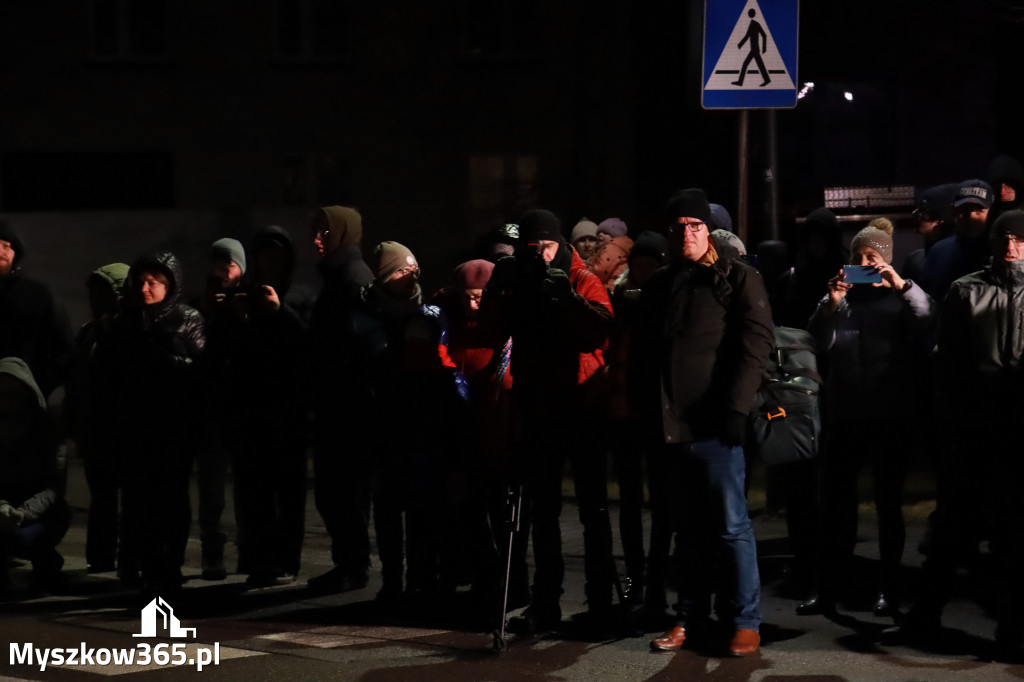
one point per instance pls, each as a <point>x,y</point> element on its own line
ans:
<point>821,224</point>
<point>158,261</point>
<point>18,369</point>
<point>1006,169</point>
<point>9,234</point>
<point>346,227</point>
<point>110,277</point>
<point>273,237</point>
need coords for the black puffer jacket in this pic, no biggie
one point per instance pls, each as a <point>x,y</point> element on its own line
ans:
<point>150,355</point>
<point>707,333</point>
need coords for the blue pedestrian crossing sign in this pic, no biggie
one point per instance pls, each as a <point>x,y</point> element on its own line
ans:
<point>750,54</point>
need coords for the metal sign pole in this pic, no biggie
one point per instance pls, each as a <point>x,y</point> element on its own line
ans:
<point>743,190</point>
<point>772,176</point>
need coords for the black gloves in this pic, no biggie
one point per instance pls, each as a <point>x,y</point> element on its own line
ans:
<point>557,285</point>
<point>734,429</point>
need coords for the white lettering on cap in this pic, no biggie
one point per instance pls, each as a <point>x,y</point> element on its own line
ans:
<point>979,192</point>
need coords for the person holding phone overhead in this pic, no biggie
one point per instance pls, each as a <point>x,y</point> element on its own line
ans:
<point>867,336</point>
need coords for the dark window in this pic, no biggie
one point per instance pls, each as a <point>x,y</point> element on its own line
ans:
<point>129,29</point>
<point>44,181</point>
<point>500,186</point>
<point>312,29</point>
<point>500,28</point>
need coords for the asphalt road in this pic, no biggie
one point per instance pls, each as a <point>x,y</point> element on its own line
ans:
<point>285,633</point>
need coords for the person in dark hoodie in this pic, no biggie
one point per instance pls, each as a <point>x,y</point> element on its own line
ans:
<point>149,364</point>
<point>342,447</point>
<point>33,324</point>
<point>88,420</point>
<point>33,514</point>
<point>559,317</point>
<point>1006,176</point>
<point>818,253</point>
<point>272,259</point>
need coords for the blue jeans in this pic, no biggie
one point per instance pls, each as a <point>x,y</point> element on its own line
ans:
<point>718,551</point>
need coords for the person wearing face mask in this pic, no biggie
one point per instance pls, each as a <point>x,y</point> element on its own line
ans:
<point>33,514</point>
<point>967,250</point>
<point>397,347</point>
<point>980,374</point>
<point>870,338</point>
<point>149,364</point>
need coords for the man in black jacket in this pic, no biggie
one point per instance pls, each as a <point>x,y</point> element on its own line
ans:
<point>711,329</point>
<point>33,324</point>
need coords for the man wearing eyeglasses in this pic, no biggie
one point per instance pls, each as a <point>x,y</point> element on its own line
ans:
<point>981,377</point>
<point>710,327</point>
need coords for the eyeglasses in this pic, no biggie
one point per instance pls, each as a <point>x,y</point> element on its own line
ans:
<point>322,233</point>
<point>1013,239</point>
<point>402,272</point>
<point>692,226</point>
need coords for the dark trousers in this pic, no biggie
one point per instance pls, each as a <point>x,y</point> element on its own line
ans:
<point>662,475</point>
<point>547,441</point>
<point>270,503</point>
<point>341,488</point>
<point>627,457</point>
<point>978,497</point>
<point>102,475</point>
<point>885,445</point>
<point>158,512</point>
<point>410,514</point>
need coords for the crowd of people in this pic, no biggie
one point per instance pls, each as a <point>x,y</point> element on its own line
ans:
<point>430,415</point>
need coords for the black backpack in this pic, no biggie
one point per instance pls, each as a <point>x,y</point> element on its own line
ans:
<point>785,420</point>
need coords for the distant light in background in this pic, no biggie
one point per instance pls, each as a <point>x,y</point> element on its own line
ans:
<point>848,95</point>
<point>807,89</point>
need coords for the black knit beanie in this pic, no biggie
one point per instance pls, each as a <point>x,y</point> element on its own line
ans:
<point>539,224</point>
<point>1010,222</point>
<point>689,203</point>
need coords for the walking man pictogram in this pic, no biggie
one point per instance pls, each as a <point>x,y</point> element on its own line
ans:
<point>757,37</point>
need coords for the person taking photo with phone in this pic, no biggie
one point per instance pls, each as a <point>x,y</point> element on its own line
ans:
<point>868,336</point>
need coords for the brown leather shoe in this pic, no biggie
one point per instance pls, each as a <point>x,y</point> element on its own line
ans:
<point>744,642</point>
<point>671,640</point>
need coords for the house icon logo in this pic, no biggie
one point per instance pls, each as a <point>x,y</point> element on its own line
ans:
<point>159,609</point>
